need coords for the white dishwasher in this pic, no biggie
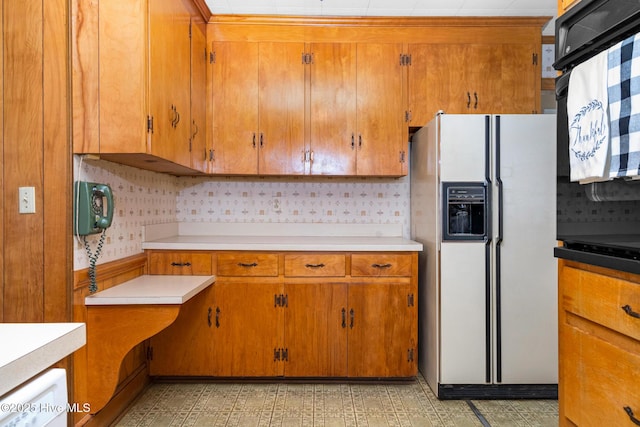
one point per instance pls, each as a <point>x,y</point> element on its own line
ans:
<point>41,401</point>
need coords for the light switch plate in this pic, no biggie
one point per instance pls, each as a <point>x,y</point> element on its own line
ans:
<point>27,199</point>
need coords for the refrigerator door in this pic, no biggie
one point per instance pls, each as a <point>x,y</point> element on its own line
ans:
<point>525,299</point>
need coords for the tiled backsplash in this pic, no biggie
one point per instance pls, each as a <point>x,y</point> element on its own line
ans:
<point>142,198</point>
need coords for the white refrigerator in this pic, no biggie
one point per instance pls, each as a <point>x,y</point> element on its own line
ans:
<point>483,205</point>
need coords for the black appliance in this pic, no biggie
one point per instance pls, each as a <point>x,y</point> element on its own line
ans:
<point>602,231</point>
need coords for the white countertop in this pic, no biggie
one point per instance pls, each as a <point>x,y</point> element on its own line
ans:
<point>30,348</point>
<point>277,237</point>
<point>152,289</point>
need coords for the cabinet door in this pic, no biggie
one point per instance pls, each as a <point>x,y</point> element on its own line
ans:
<point>520,82</point>
<point>281,107</point>
<point>316,329</point>
<point>121,47</point>
<point>169,93</point>
<point>382,131</point>
<point>248,328</point>
<point>197,146</point>
<point>382,330</point>
<point>484,78</point>
<point>185,347</point>
<point>474,79</point>
<point>332,121</point>
<point>234,117</point>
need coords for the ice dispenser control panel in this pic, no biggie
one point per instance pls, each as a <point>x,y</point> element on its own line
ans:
<point>464,211</point>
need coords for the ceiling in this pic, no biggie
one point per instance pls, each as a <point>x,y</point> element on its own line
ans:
<point>388,8</point>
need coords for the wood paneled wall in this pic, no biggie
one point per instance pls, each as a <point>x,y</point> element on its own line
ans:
<point>36,248</point>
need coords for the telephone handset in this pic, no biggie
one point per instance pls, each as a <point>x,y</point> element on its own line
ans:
<point>89,215</point>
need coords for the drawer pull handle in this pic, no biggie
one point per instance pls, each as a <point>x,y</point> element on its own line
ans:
<point>627,309</point>
<point>181,264</point>
<point>315,265</point>
<point>253,264</point>
<point>352,315</point>
<point>217,317</point>
<point>631,416</point>
<point>209,313</point>
<point>381,266</point>
<point>344,318</point>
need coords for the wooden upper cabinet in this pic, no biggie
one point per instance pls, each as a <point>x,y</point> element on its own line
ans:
<point>131,82</point>
<point>520,73</point>
<point>234,119</point>
<point>356,121</point>
<point>281,79</point>
<point>472,79</point>
<point>382,139</point>
<point>332,123</point>
<point>170,66</point>
<point>258,108</point>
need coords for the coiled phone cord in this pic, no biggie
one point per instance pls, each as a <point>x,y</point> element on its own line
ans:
<point>93,258</point>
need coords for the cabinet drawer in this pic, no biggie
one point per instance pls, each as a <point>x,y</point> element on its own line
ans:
<point>609,301</point>
<point>180,263</point>
<point>601,380</point>
<point>315,265</point>
<point>248,264</point>
<point>381,264</point>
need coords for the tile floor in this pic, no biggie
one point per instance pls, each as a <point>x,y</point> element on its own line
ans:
<point>292,404</point>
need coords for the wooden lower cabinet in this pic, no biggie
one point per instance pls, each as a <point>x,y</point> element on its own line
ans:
<point>599,346</point>
<point>382,329</point>
<point>247,335</point>
<point>302,315</point>
<point>185,347</point>
<point>315,329</point>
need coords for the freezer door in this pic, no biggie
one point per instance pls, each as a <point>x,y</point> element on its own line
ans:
<point>463,148</point>
<point>525,297</point>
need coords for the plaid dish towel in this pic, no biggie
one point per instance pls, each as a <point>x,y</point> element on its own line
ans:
<point>624,107</point>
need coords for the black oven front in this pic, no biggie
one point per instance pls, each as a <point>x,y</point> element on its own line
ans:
<point>598,230</point>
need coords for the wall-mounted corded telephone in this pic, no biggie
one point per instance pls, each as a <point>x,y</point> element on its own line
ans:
<point>89,217</point>
<point>89,214</point>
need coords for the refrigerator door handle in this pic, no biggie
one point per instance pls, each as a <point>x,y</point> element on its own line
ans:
<point>498,270</point>
<point>487,311</point>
